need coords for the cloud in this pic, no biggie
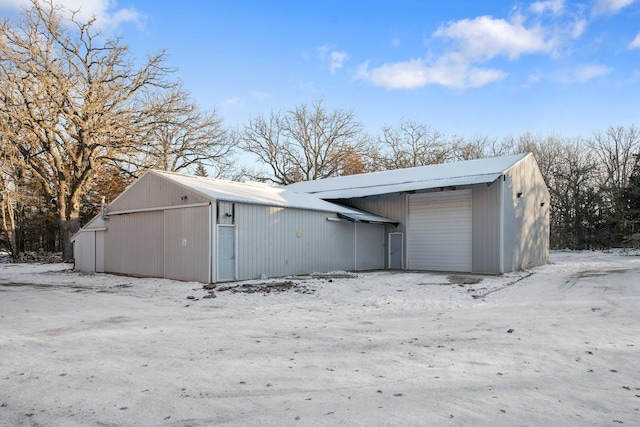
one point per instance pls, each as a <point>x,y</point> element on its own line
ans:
<point>485,37</point>
<point>230,103</point>
<point>553,6</point>
<point>260,96</point>
<point>105,11</point>
<point>609,7</point>
<point>635,44</point>
<point>585,73</point>
<point>336,59</point>
<point>448,71</point>
<point>474,41</point>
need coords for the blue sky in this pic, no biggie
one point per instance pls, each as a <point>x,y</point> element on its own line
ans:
<point>493,68</point>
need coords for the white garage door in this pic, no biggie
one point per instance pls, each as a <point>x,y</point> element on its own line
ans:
<point>439,231</point>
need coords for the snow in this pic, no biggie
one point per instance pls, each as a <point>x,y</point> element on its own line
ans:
<point>555,345</point>
<point>257,193</point>
<point>418,178</point>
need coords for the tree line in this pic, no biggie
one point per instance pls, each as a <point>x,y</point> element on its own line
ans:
<point>81,119</point>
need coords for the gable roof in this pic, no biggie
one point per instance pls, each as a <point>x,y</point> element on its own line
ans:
<point>409,179</point>
<point>264,194</point>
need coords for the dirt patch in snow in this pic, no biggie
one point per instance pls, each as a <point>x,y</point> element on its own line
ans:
<point>266,288</point>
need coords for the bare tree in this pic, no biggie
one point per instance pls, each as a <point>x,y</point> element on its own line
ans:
<point>616,148</point>
<point>305,143</point>
<point>71,100</point>
<point>186,137</point>
<point>412,144</point>
<point>478,147</point>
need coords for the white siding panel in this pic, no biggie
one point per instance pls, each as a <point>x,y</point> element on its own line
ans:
<point>369,246</point>
<point>84,251</point>
<point>134,244</point>
<point>439,235</point>
<point>278,242</point>
<point>186,241</point>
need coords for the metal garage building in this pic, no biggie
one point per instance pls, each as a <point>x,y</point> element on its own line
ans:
<point>191,228</point>
<point>480,216</point>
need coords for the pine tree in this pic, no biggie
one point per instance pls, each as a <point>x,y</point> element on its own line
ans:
<point>200,170</point>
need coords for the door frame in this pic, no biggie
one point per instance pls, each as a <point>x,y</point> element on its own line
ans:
<point>235,252</point>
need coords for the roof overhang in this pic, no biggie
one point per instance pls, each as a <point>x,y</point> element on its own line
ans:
<point>426,184</point>
<point>358,215</point>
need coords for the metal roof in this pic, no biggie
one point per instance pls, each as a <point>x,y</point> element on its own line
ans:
<point>264,194</point>
<point>409,179</point>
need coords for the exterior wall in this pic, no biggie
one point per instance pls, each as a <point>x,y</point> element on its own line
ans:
<point>526,218</point>
<point>370,246</point>
<point>152,191</point>
<point>279,242</point>
<point>186,244</point>
<point>392,206</point>
<point>486,227</point>
<point>84,251</point>
<point>134,244</point>
<point>88,246</point>
<point>485,222</point>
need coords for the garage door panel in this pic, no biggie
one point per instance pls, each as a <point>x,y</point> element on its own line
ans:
<point>439,231</point>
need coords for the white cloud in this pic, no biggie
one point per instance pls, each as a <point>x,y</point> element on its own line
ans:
<point>585,73</point>
<point>578,28</point>
<point>230,103</point>
<point>610,7</point>
<point>635,44</point>
<point>448,71</point>
<point>475,41</point>
<point>553,6</point>
<point>105,11</point>
<point>485,37</point>
<point>336,60</point>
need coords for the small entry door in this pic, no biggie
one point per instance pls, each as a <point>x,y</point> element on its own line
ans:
<point>226,253</point>
<point>395,251</point>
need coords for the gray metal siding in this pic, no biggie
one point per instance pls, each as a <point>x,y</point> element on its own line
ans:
<point>486,227</point>
<point>526,218</point>
<point>84,251</point>
<point>439,235</point>
<point>279,242</point>
<point>152,191</point>
<point>370,247</point>
<point>392,206</point>
<point>134,244</point>
<point>186,243</point>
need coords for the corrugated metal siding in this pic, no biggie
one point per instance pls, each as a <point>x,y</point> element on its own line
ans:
<point>279,242</point>
<point>134,244</point>
<point>486,228</point>
<point>392,206</point>
<point>526,226</point>
<point>186,240</point>
<point>439,235</point>
<point>84,251</point>
<point>99,248</point>
<point>370,247</point>
<point>151,191</point>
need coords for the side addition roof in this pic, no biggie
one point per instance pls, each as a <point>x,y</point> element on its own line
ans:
<point>409,179</point>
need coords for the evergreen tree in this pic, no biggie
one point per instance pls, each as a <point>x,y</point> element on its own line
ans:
<point>200,170</point>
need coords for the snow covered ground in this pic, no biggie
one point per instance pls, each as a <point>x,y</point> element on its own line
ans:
<point>556,345</point>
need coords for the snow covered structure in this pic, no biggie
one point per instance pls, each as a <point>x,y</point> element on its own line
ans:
<point>192,228</point>
<point>481,216</point>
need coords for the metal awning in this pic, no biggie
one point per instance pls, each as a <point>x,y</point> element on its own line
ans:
<point>358,215</point>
